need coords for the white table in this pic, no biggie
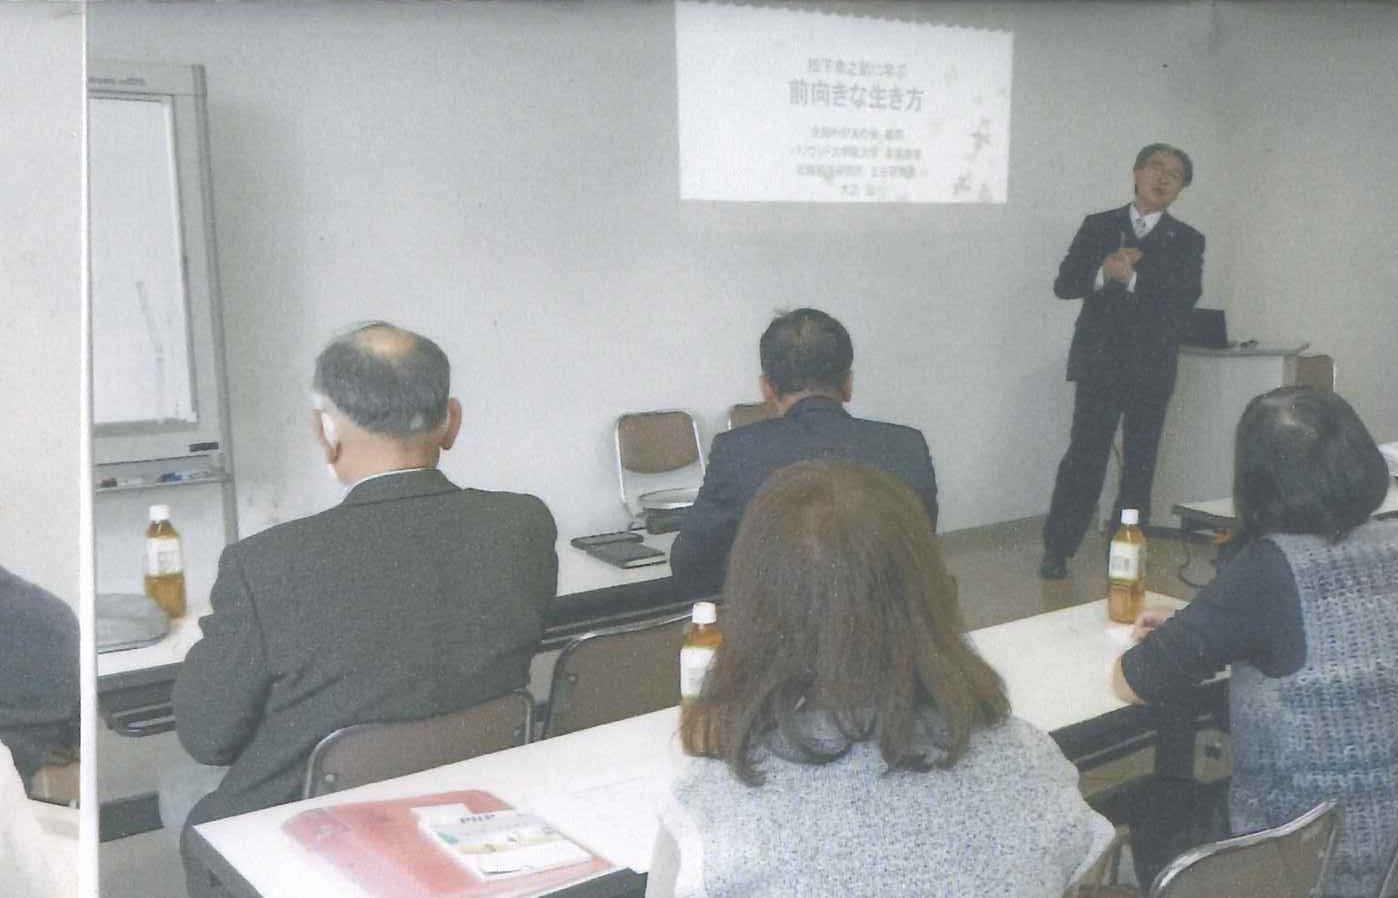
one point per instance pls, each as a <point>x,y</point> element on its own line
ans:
<point>1219,513</point>
<point>578,574</point>
<point>588,591</point>
<point>604,785</point>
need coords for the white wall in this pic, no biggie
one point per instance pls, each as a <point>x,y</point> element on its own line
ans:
<point>41,95</point>
<point>1312,155</point>
<point>503,177</point>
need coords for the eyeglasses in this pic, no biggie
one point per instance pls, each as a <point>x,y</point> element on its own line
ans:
<point>1164,170</point>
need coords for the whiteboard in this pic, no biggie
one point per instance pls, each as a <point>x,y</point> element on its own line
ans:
<point>140,320</point>
<point>157,357</point>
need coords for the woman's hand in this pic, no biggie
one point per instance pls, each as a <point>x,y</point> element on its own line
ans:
<point>1148,620</point>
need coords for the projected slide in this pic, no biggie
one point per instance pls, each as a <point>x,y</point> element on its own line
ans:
<point>786,105</point>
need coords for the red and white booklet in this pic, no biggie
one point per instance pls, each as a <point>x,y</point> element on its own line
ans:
<point>450,845</point>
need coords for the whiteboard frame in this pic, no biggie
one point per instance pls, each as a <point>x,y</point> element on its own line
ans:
<point>182,86</point>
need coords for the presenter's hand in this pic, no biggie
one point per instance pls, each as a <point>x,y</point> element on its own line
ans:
<point>1148,620</point>
<point>1120,265</point>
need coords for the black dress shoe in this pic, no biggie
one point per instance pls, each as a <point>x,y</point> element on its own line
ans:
<point>1053,567</point>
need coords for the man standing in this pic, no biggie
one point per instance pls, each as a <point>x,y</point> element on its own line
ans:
<point>411,598</point>
<point>806,358</point>
<point>1138,270</point>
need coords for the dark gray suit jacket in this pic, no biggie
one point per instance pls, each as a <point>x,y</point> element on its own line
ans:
<point>38,673</point>
<point>410,598</point>
<point>741,460</point>
<point>1130,335</point>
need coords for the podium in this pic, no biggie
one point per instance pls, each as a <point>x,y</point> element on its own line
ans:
<point>1213,388</point>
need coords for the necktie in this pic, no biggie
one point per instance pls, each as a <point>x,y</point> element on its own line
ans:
<point>1141,227</point>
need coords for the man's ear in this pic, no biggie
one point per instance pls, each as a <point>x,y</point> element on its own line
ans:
<point>326,434</point>
<point>453,424</point>
<point>847,388</point>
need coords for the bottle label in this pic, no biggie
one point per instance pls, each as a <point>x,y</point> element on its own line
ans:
<point>694,665</point>
<point>163,556</point>
<point>1124,561</point>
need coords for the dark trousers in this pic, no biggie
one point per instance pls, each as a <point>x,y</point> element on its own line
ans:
<point>1170,816</point>
<point>1097,407</point>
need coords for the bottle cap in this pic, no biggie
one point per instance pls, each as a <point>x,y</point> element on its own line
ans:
<point>704,613</point>
<point>160,512</point>
<point>1130,517</point>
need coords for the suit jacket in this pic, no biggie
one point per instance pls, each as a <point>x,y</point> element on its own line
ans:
<point>410,598</point>
<point>38,673</point>
<point>741,460</point>
<point>1124,334</point>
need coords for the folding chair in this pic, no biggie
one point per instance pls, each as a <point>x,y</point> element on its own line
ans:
<point>614,673</point>
<point>745,413</point>
<point>1389,887</point>
<point>1317,371</point>
<point>1286,861</point>
<point>369,752</point>
<point>659,461</point>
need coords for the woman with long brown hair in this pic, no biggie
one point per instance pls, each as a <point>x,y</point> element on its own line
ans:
<point>850,741</point>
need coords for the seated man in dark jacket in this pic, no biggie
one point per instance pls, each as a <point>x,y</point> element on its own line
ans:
<point>806,358</point>
<point>38,674</point>
<point>411,598</point>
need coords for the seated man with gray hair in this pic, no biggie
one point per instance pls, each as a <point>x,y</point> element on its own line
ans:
<point>411,598</point>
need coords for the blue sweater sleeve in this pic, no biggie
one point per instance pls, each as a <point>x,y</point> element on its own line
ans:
<point>1251,612</point>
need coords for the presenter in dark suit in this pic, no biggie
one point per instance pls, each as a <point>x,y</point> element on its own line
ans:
<point>412,597</point>
<point>806,358</point>
<point>1138,270</point>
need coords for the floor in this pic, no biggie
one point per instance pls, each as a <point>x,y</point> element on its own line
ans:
<point>997,567</point>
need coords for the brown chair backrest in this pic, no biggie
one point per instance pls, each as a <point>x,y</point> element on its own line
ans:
<point>1286,861</point>
<point>656,442</point>
<point>745,413</point>
<point>614,673</point>
<point>1317,371</point>
<point>370,752</point>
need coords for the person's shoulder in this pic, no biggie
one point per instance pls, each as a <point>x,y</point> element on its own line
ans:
<point>505,506</point>
<point>891,431</point>
<point>280,533</point>
<point>1184,228</point>
<point>13,586</point>
<point>757,430</point>
<point>21,599</point>
<point>505,500</point>
<point>1015,737</point>
<point>1105,217</point>
<point>755,438</point>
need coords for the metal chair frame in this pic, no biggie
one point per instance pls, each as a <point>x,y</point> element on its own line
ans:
<point>1324,816</point>
<point>1389,887</point>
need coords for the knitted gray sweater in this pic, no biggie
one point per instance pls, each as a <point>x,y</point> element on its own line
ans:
<point>1007,820</point>
<point>1330,730</point>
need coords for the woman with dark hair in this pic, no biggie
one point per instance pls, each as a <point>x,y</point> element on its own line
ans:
<point>850,741</point>
<point>1306,612</point>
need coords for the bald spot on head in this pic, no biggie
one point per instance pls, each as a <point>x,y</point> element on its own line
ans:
<point>386,342</point>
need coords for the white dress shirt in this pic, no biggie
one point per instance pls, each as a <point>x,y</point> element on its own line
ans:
<point>1143,224</point>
